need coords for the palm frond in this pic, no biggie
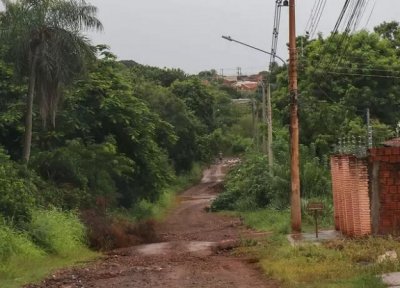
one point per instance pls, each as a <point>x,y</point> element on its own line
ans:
<point>75,15</point>
<point>51,27</point>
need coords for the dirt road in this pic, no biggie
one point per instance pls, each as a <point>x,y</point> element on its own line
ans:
<point>188,255</point>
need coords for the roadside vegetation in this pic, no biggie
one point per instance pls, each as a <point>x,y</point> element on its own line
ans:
<point>92,153</point>
<point>332,104</point>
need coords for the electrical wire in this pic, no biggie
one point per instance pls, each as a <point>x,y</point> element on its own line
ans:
<point>364,75</point>
<point>317,18</point>
<point>275,31</point>
<point>341,15</point>
<point>370,14</point>
<point>308,24</point>
<point>355,18</point>
<point>366,69</point>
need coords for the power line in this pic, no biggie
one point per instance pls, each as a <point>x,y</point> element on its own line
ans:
<point>317,17</point>
<point>308,25</point>
<point>352,12</point>
<point>370,15</point>
<point>341,15</point>
<point>275,31</point>
<point>356,15</point>
<point>363,75</point>
<point>330,40</point>
<point>366,69</point>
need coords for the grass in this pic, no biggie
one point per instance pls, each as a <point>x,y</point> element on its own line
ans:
<point>145,209</point>
<point>57,232</point>
<point>347,263</point>
<point>21,270</point>
<point>52,240</point>
<point>188,179</point>
<point>268,220</point>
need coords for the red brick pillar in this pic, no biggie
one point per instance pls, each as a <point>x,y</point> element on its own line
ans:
<point>336,190</point>
<point>355,193</point>
<point>364,198</point>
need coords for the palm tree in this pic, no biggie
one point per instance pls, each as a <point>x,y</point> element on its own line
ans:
<point>46,44</point>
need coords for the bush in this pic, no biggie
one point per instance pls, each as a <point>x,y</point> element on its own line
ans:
<point>13,243</point>
<point>240,145</point>
<point>16,191</point>
<point>57,232</point>
<point>106,232</point>
<point>84,173</point>
<point>252,185</point>
<point>268,220</point>
<point>247,186</point>
<point>315,175</point>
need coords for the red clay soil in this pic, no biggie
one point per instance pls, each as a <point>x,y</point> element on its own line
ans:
<point>192,251</point>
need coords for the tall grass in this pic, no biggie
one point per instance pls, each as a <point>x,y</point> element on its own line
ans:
<point>53,239</point>
<point>145,209</point>
<point>15,244</point>
<point>185,180</point>
<point>268,220</point>
<point>345,263</point>
<point>57,232</point>
<point>340,263</point>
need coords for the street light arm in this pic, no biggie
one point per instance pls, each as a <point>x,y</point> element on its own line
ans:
<point>229,38</point>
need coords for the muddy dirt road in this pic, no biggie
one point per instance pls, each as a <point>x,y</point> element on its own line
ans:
<point>188,255</point>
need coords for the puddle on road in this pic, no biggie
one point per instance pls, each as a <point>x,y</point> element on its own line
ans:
<point>196,198</point>
<point>153,249</point>
<point>176,248</point>
<point>200,246</point>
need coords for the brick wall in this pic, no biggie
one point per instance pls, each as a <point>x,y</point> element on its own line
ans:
<point>366,192</point>
<point>350,185</point>
<point>388,183</point>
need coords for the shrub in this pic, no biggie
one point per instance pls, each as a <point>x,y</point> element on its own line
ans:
<point>252,185</point>
<point>246,186</point>
<point>13,243</point>
<point>94,170</point>
<point>107,232</point>
<point>268,220</point>
<point>16,191</point>
<point>57,232</point>
<point>314,173</point>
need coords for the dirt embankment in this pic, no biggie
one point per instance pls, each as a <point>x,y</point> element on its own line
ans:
<point>191,251</point>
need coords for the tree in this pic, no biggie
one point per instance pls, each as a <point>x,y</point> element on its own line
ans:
<point>103,105</point>
<point>164,77</point>
<point>198,98</point>
<point>339,78</point>
<point>11,110</point>
<point>186,126</point>
<point>389,31</point>
<point>44,40</point>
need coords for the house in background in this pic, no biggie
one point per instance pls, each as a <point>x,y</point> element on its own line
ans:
<point>244,82</point>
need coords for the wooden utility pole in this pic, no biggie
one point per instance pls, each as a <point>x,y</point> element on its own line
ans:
<point>264,118</point>
<point>269,122</point>
<point>294,123</point>
<point>254,114</point>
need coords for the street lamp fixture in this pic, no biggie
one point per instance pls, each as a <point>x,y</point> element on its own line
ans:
<point>294,120</point>
<point>266,146</point>
<point>229,38</point>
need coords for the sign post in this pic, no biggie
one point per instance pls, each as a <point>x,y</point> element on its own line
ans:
<point>315,208</point>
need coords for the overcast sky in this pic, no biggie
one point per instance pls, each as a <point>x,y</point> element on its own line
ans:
<point>186,34</point>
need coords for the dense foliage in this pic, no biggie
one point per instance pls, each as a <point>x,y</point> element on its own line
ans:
<point>340,77</point>
<point>122,133</point>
